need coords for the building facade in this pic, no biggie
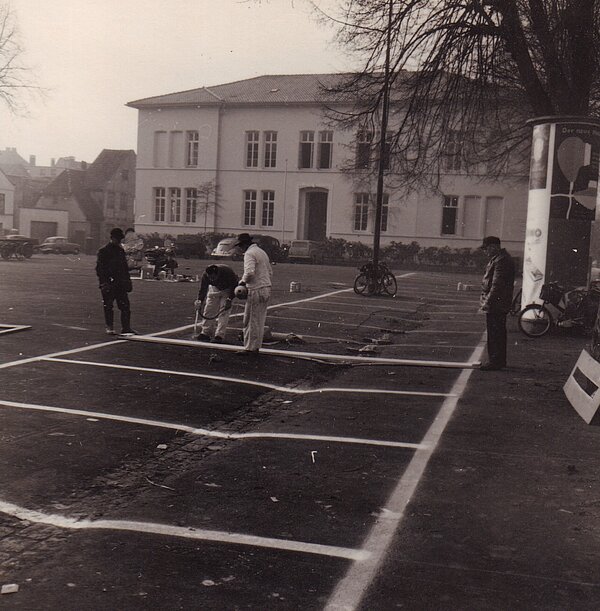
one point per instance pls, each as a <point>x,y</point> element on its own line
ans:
<point>261,156</point>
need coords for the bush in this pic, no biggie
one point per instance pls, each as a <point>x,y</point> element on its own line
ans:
<point>334,248</point>
<point>357,251</point>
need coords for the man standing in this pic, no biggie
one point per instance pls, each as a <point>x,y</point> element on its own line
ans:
<point>217,287</point>
<point>257,279</point>
<point>496,298</point>
<point>115,283</point>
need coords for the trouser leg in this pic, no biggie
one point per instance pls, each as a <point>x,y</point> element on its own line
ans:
<point>211,307</point>
<point>255,315</point>
<point>107,304</point>
<point>123,304</point>
<point>496,338</point>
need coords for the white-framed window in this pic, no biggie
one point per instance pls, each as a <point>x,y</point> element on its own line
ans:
<point>191,204</point>
<point>160,203</point>
<point>364,142</point>
<point>193,142</point>
<point>449,214</point>
<point>385,209</point>
<point>325,150</point>
<point>249,207</point>
<point>307,146</point>
<point>175,205</point>
<point>361,211</point>
<point>252,139</point>
<point>453,153</point>
<point>270,149</point>
<point>268,208</point>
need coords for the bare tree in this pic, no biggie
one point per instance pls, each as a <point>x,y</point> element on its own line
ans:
<point>207,199</point>
<point>14,76</point>
<point>464,76</point>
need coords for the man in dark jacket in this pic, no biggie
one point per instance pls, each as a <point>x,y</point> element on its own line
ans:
<point>496,298</point>
<point>217,287</point>
<point>115,283</point>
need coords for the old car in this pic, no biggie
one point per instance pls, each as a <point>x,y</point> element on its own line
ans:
<point>306,251</point>
<point>59,245</point>
<point>226,248</point>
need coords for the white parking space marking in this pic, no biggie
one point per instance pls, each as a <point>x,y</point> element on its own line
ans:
<point>284,389</point>
<point>184,532</point>
<point>210,433</point>
<point>351,589</point>
<point>12,328</point>
<point>312,355</point>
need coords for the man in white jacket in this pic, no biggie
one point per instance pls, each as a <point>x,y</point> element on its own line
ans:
<point>257,279</point>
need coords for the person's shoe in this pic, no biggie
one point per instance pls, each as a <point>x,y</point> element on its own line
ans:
<point>128,332</point>
<point>490,367</point>
<point>202,337</point>
<point>217,339</point>
<point>110,331</point>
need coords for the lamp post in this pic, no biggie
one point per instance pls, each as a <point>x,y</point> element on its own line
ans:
<point>382,145</point>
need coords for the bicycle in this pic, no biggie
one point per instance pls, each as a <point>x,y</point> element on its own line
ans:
<point>576,309</point>
<point>515,306</point>
<point>370,283</point>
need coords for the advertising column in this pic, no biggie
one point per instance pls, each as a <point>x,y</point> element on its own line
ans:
<point>563,195</point>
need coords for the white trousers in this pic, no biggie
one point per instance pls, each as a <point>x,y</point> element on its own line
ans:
<point>255,315</point>
<point>215,301</point>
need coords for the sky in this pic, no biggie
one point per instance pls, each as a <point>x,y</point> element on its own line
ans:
<point>91,57</point>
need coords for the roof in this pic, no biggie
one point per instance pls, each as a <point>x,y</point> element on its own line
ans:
<point>104,167</point>
<point>269,89</point>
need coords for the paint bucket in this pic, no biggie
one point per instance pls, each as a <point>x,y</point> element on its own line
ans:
<point>295,287</point>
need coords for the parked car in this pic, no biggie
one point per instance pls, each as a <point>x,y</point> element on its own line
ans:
<point>307,251</point>
<point>225,249</point>
<point>59,245</point>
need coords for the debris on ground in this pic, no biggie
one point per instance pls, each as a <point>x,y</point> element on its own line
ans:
<point>9,588</point>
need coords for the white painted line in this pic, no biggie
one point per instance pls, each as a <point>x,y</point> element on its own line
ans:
<point>350,591</point>
<point>12,328</point>
<point>438,331</point>
<point>284,389</point>
<point>316,355</point>
<point>55,324</point>
<point>210,433</point>
<point>184,532</point>
<point>326,322</point>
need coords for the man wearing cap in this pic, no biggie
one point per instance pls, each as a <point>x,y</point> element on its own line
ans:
<point>217,287</point>
<point>115,283</point>
<point>496,298</point>
<point>257,279</point>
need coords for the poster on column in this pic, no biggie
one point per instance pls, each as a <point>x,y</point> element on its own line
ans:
<point>575,173</point>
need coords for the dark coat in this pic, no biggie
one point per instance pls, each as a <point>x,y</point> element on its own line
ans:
<point>497,284</point>
<point>112,268</point>
<point>226,280</point>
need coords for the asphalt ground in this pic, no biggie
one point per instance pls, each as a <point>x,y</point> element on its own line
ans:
<point>139,475</point>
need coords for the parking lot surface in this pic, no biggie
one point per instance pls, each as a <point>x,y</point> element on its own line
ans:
<point>163,473</point>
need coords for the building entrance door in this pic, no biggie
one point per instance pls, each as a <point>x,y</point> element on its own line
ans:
<point>316,218</point>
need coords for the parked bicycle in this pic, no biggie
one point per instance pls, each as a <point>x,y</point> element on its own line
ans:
<point>576,309</point>
<point>371,282</point>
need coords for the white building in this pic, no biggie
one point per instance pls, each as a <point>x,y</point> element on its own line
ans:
<point>277,165</point>
<point>7,204</point>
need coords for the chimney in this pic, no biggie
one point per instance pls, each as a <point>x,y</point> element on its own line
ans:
<point>32,160</point>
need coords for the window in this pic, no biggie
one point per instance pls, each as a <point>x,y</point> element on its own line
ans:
<point>307,144</point>
<point>175,204</point>
<point>251,149</point>
<point>249,207</point>
<point>192,149</point>
<point>449,210</point>
<point>325,150</point>
<point>191,205</point>
<point>270,149</point>
<point>160,202</point>
<point>123,201</point>
<point>453,152</point>
<point>364,140</point>
<point>110,199</point>
<point>160,149</point>
<point>385,212</point>
<point>2,203</point>
<point>361,211</point>
<point>268,208</point>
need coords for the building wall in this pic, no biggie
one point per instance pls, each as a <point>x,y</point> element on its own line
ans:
<point>27,215</point>
<point>482,207</point>
<point>7,204</point>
